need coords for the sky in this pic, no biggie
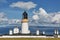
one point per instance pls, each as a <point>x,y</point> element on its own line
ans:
<point>38,10</point>
<point>48,5</point>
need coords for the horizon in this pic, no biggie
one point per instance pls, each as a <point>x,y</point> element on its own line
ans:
<point>43,15</point>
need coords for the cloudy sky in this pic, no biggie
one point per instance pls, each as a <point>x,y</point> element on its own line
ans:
<point>38,10</point>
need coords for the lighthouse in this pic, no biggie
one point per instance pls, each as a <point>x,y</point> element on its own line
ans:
<point>25,26</point>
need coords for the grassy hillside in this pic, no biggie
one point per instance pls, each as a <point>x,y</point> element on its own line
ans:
<point>29,38</point>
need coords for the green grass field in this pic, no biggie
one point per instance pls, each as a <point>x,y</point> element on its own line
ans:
<point>29,38</point>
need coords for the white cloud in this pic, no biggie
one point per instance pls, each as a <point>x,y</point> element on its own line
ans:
<point>3,16</point>
<point>42,15</point>
<point>56,18</point>
<point>4,21</point>
<point>47,19</point>
<point>43,12</point>
<point>24,5</point>
<point>35,17</point>
<point>14,21</point>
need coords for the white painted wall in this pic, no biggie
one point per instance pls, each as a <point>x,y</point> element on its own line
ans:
<point>10,32</point>
<point>43,32</point>
<point>25,28</point>
<point>37,32</point>
<point>16,30</point>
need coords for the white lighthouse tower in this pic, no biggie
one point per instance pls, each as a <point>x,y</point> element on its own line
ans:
<point>25,27</point>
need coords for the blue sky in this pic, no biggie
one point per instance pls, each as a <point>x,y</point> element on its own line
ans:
<point>48,5</point>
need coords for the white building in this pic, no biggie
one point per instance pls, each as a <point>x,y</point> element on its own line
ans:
<point>43,32</point>
<point>56,32</point>
<point>37,32</point>
<point>10,32</point>
<point>16,30</point>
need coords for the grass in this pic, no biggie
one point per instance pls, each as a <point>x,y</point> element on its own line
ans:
<point>29,38</point>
